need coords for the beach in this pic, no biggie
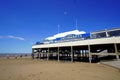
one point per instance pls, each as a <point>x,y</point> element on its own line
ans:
<point>28,69</point>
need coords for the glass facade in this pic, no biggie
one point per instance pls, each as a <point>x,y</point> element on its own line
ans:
<point>106,33</point>
<point>99,35</point>
<point>114,33</point>
<point>92,35</point>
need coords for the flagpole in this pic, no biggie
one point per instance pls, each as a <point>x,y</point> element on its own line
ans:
<point>58,27</point>
<point>76,25</point>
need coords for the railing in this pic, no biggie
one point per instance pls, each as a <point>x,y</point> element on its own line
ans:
<point>71,40</point>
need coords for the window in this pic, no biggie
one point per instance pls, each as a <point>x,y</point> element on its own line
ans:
<point>99,35</point>
<point>114,33</point>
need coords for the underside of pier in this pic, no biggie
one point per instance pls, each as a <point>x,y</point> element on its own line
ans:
<point>83,53</point>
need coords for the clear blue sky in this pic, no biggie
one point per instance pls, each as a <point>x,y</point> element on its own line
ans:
<point>23,22</point>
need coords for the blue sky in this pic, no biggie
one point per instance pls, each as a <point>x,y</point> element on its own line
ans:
<point>23,22</point>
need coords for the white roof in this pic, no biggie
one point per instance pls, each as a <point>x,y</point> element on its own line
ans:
<point>76,32</point>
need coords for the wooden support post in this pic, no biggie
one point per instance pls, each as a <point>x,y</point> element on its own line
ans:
<point>72,56</point>
<point>116,51</point>
<point>67,55</point>
<point>90,56</point>
<point>39,53</point>
<point>48,54</point>
<point>43,55</point>
<point>58,54</point>
<point>32,54</point>
<point>82,53</point>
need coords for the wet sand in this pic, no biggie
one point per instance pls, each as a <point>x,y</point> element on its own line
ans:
<point>28,69</point>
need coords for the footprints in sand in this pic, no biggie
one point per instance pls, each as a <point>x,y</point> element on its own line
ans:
<point>36,76</point>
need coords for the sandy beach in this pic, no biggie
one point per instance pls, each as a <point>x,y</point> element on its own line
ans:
<point>28,69</point>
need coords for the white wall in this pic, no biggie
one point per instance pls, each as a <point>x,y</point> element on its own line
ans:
<point>108,40</point>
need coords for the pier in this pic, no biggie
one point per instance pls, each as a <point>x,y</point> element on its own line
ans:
<point>95,47</point>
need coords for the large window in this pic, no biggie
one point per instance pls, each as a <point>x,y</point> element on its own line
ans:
<point>99,35</point>
<point>114,33</point>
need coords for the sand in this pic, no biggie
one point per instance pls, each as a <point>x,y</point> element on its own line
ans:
<point>28,69</point>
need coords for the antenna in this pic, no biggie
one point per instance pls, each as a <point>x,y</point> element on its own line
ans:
<point>58,27</point>
<point>76,25</point>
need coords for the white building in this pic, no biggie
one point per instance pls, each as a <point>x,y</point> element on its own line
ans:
<point>77,45</point>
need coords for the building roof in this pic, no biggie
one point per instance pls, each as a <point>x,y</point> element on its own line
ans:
<point>76,32</point>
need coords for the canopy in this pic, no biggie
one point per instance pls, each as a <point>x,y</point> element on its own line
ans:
<point>76,32</point>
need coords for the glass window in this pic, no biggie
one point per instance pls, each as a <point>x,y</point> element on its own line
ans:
<point>114,33</point>
<point>99,35</point>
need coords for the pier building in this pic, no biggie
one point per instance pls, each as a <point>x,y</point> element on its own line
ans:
<point>79,46</point>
